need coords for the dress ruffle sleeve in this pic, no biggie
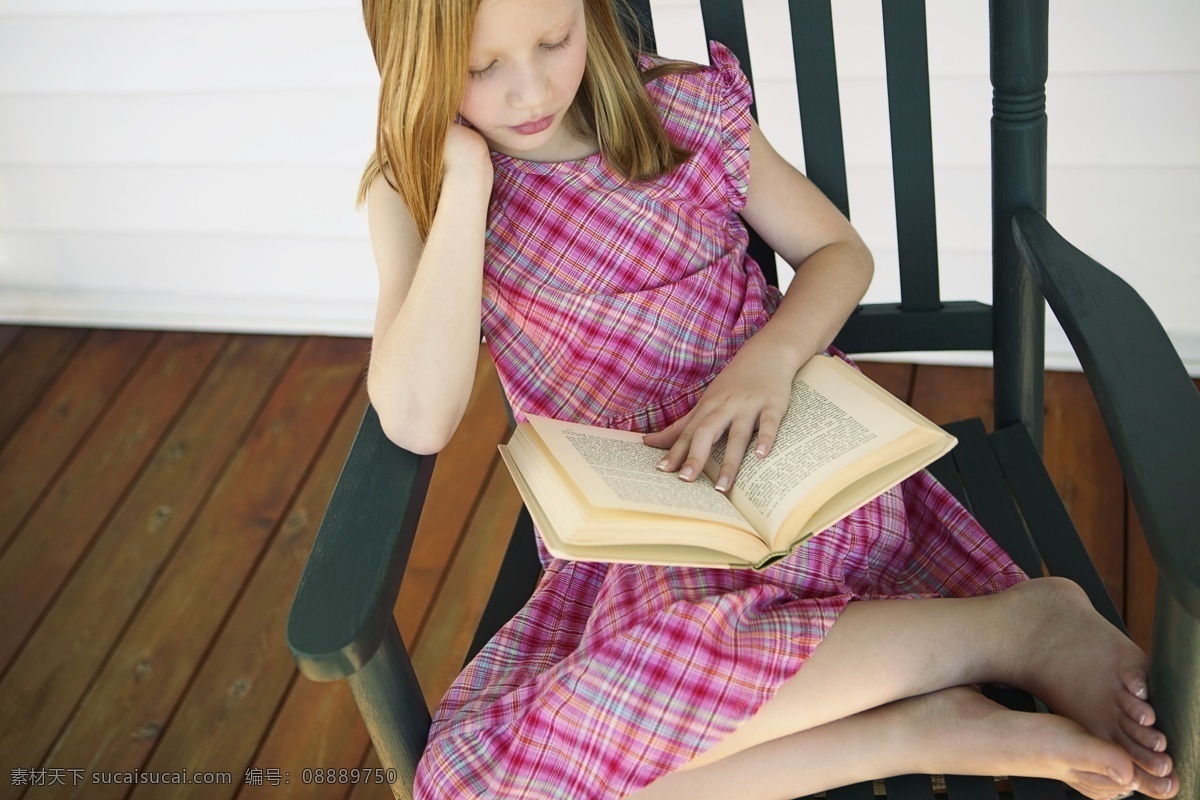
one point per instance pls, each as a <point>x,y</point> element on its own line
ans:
<point>735,99</point>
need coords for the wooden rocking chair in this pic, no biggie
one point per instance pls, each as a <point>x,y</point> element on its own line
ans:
<point>342,625</point>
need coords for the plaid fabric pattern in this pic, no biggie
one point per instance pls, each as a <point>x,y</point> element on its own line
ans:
<point>616,305</point>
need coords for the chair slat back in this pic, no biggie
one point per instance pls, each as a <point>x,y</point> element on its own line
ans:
<point>907,58</point>
<point>820,107</point>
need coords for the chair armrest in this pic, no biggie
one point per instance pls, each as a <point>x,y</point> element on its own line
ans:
<point>1152,411</point>
<point>345,600</point>
<point>1149,403</point>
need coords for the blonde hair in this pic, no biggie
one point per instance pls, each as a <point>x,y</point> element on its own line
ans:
<point>421,50</point>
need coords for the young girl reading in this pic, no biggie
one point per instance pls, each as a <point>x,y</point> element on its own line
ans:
<point>532,176</point>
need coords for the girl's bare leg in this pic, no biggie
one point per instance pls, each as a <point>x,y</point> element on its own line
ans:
<point>952,731</point>
<point>1042,636</point>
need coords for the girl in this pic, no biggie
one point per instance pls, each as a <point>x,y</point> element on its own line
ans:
<point>588,203</point>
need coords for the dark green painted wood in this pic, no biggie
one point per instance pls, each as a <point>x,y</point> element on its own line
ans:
<point>886,328</point>
<point>971,787</point>
<point>393,709</point>
<point>1046,517</point>
<point>1175,685</point>
<point>1139,381</point>
<point>855,791</point>
<point>817,91</point>
<point>1152,410</point>
<point>1019,49</point>
<point>991,502</point>
<point>907,55</point>
<point>344,603</point>
<point>909,787</point>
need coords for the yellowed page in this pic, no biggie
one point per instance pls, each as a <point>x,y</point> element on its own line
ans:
<point>616,470</point>
<point>578,530</point>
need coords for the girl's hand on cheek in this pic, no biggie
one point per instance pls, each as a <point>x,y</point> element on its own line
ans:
<point>751,392</point>
<point>466,153</point>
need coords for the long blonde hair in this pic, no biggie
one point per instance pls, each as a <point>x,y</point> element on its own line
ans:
<point>421,50</point>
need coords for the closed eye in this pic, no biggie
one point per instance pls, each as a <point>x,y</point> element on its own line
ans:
<point>558,45</point>
<point>479,73</point>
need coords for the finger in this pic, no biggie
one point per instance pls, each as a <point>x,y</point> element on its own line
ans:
<point>699,449</point>
<point>668,439</point>
<point>768,427</point>
<point>740,433</point>
<point>702,438</point>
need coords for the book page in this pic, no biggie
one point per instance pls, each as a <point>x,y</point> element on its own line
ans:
<point>615,469</point>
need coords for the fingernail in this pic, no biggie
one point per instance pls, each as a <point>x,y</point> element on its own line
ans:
<point>760,451</point>
<point>1160,745</point>
<point>686,473</point>
<point>1112,773</point>
<point>1140,691</point>
<point>1141,719</point>
<point>662,464</point>
<point>722,484</point>
<point>1162,769</point>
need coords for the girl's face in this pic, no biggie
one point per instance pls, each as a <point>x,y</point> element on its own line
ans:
<point>526,63</point>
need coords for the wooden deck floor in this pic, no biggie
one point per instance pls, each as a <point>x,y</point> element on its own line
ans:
<point>159,493</point>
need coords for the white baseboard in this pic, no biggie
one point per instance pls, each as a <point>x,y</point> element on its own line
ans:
<point>354,318</point>
<point>191,312</point>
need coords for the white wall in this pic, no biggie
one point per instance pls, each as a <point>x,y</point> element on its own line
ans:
<point>192,163</point>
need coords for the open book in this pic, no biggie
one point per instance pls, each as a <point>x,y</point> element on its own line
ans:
<point>596,496</point>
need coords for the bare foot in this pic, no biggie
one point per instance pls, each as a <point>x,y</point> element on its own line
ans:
<point>1086,670</point>
<point>964,733</point>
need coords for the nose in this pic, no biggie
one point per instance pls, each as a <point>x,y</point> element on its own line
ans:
<point>530,87</point>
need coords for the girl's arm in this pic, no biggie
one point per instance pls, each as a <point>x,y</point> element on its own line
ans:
<point>833,270</point>
<point>426,339</point>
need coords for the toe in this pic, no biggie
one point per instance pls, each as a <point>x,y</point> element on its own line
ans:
<point>1157,764</point>
<point>1137,710</point>
<point>1147,737</point>
<point>1096,786</point>
<point>1160,787</point>
<point>1135,683</point>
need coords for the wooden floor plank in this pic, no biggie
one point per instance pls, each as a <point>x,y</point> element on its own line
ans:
<point>445,639</point>
<point>43,553</point>
<point>948,394</point>
<point>370,791</point>
<point>132,699</point>
<point>8,334</point>
<point>36,451</point>
<point>318,727</point>
<point>70,645</point>
<point>233,698</point>
<point>896,378</point>
<point>27,367</point>
<point>1083,465</point>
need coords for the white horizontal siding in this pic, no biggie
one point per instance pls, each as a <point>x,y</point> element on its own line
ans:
<point>192,163</point>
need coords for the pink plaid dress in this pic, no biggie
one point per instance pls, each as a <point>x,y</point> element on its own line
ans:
<point>616,304</point>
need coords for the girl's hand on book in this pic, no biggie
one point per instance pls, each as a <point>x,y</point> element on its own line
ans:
<point>751,392</point>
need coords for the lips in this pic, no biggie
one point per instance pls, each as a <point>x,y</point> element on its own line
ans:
<point>537,126</point>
